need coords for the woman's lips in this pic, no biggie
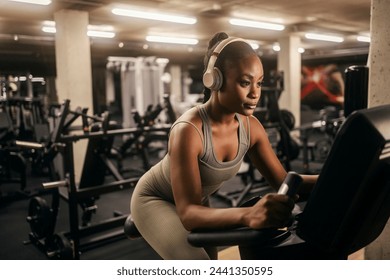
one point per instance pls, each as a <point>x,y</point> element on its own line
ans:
<point>250,106</point>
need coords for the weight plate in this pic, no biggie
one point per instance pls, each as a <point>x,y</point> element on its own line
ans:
<point>322,149</point>
<point>39,217</point>
<point>59,247</point>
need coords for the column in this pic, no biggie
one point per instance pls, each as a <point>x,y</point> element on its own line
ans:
<point>176,87</point>
<point>289,61</point>
<point>379,83</point>
<point>73,65</point>
<point>379,54</point>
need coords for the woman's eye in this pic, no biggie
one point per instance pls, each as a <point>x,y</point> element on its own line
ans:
<point>245,83</point>
<point>260,84</point>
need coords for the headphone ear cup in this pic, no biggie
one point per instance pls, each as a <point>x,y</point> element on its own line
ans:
<point>208,79</point>
<point>218,79</point>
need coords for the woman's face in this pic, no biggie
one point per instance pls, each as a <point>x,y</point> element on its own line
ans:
<point>242,85</point>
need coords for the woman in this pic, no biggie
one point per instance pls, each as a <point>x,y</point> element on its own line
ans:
<point>207,145</point>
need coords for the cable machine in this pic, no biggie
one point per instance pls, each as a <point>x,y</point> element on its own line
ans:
<point>140,84</point>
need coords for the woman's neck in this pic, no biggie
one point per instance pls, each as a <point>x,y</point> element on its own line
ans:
<point>217,113</point>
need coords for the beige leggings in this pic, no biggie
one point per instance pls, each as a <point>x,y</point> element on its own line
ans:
<point>159,224</point>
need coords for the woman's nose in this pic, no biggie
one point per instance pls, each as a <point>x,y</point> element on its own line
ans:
<point>254,93</point>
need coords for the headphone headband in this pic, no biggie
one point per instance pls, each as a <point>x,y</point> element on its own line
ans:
<point>211,79</point>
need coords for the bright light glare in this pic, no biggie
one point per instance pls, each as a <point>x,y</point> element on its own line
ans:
<point>256,24</point>
<point>49,29</point>
<point>104,31</point>
<point>154,16</point>
<point>100,34</point>
<point>36,2</point>
<point>322,37</point>
<point>172,40</point>
<point>366,39</point>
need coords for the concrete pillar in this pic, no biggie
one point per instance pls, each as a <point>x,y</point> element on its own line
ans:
<point>73,65</point>
<point>289,61</point>
<point>379,83</point>
<point>379,55</point>
<point>73,58</point>
<point>110,87</point>
<point>176,88</point>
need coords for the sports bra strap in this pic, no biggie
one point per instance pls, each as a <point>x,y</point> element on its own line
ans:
<point>190,123</point>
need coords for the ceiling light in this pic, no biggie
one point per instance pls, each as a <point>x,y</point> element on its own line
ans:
<point>100,34</point>
<point>104,31</point>
<point>322,37</point>
<point>366,39</point>
<point>154,16</point>
<point>37,2</point>
<point>49,29</point>
<point>276,47</point>
<point>101,27</point>
<point>256,24</point>
<point>172,40</point>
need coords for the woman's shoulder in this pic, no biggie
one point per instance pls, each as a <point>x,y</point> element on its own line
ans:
<point>186,129</point>
<point>190,116</point>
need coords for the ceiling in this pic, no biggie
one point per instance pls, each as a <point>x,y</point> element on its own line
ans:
<point>25,47</point>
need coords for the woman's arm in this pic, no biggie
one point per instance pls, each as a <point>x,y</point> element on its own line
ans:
<point>265,160</point>
<point>263,156</point>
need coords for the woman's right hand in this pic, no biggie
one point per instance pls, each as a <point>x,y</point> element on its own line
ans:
<point>272,210</point>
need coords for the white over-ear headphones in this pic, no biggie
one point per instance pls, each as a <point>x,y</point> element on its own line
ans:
<point>213,77</point>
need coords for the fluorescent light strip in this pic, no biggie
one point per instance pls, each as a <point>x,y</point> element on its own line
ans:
<point>256,24</point>
<point>172,40</point>
<point>49,29</point>
<point>154,16</point>
<point>100,34</point>
<point>36,2</point>
<point>93,30</point>
<point>365,39</point>
<point>322,37</point>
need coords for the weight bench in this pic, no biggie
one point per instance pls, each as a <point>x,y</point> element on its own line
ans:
<point>347,209</point>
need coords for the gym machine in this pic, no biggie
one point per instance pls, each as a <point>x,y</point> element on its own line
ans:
<point>325,130</point>
<point>355,98</point>
<point>141,143</point>
<point>11,159</point>
<point>21,119</point>
<point>42,218</point>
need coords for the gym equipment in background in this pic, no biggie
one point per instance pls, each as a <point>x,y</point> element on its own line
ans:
<point>316,138</point>
<point>83,233</point>
<point>12,162</point>
<point>149,146</point>
<point>140,84</point>
<point>355,98</point>
<point>356,88</point>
